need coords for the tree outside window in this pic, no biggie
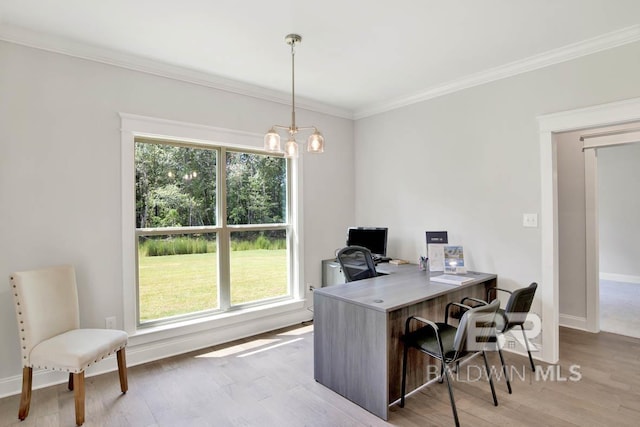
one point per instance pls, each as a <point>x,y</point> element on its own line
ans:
<point>181,270</point>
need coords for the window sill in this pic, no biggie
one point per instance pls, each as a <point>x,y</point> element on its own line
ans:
<point>210,323</point>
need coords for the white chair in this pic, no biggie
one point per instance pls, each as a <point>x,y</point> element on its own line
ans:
<point>46,302</point>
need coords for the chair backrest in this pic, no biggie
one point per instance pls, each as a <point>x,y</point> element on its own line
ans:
<point>519,304</point>
<point>477,323</point>
<point>46,303</point>
<point>357,263</point>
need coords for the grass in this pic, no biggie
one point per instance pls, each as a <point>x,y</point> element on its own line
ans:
<point>179,284</point>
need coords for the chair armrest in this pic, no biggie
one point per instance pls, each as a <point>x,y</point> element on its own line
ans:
<point>496,289</point>
<point>429,323</point>
<point>457,304</point>
<point>478,300</point>
<point>420,320</point>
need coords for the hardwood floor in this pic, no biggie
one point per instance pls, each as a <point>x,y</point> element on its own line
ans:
<point>268,381</point>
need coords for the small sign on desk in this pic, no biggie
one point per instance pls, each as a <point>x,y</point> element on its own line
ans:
<point>436,240</point>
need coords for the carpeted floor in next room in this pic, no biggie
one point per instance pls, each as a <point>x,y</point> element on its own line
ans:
<point>620,308</point>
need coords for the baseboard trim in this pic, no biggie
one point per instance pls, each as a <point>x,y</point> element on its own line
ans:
<point>573,322</point>
<point>138,354</point>
<point>614,277</point>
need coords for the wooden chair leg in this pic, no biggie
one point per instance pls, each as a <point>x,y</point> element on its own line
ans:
<point>78,393</point>
<point>122,370</point>
<point>70,383</point>
<point>25,399</point>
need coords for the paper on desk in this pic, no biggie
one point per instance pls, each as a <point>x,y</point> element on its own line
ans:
<point>436,256</point>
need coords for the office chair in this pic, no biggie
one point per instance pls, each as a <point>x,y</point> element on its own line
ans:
<point>356,263</point>
<point>46,303</point>
<point>514,314</point>
<point>449,344</point>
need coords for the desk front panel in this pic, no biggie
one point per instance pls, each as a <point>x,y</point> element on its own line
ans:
<point>418,363</point>
<point>350,354</point>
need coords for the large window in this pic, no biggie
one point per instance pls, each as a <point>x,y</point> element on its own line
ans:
<point>212,230</point>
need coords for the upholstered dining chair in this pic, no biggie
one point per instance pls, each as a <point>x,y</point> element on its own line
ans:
<point>47,310</point>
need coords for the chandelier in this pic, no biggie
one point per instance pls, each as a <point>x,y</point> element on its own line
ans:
<point>315,143</point>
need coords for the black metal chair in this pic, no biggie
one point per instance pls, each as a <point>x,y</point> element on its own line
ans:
<point>514,313</point>
<point>449,344</point>
<point>356,263</point>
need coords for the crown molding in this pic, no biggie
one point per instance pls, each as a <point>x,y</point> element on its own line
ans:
<point>555,56</point>
<point>69,47</point>
<point>76,49</point>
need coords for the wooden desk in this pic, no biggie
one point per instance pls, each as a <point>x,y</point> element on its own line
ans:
<point>358,325</point>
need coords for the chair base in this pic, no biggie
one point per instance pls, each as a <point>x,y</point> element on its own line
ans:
<point>75,384</point>
<point>444,375</point>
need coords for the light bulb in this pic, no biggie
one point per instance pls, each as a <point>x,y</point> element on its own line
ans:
<point>272,141</point>
<point>291,148</point>
<point>315,143</point>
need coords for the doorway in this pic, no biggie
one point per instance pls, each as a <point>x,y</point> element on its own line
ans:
<point>619,229</point>
<point>549,125</point>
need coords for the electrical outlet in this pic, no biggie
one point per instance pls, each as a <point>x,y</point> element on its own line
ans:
<point>110,322</point>
<point>310,287</point>
<point>530,220</point>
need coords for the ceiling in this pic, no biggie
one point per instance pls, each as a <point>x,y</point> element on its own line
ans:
<point>357,57</point>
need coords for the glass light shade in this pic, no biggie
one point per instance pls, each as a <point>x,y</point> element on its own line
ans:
<point>315,143</point>
<point>291,148</point>
<point>272,141</point>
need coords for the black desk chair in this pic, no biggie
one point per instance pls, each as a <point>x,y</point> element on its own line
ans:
<point>449,344</point>
<point>356,263</point>
<point>514,314</point>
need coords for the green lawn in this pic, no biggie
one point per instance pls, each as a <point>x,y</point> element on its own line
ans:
<point>180,284</point>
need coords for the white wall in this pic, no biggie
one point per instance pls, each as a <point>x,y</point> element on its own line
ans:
<point>60,172</point>
<point>469,162</point>
<point>619,211</point>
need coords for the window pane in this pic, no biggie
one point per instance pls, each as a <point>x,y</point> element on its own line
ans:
<point>175,186</point>
<point>258,266</point>
<point>178,275</point>
<point>256,189</point>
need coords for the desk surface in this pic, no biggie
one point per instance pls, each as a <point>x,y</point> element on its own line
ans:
<point>403,285</point>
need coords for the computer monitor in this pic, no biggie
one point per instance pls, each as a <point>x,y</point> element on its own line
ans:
<point>372,238</point>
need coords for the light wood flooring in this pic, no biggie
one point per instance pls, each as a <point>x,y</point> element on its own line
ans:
<point>268,381</point>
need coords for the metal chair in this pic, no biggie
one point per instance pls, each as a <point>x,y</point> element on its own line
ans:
<point>514,314</point>
<point>356,263</point>
<point>46,303</point>
<point>450,344</point>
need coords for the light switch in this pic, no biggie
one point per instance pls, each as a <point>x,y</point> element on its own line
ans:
<point>529,220</point>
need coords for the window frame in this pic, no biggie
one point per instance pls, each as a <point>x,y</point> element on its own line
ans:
<point>136,127</point>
